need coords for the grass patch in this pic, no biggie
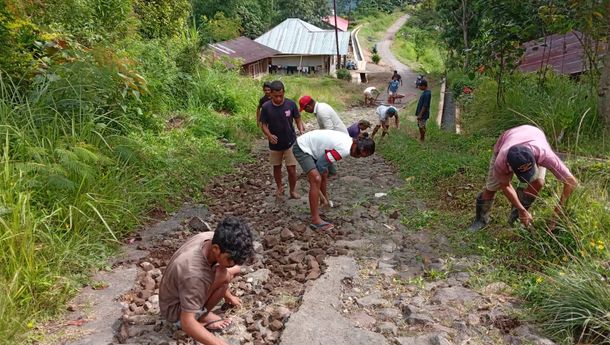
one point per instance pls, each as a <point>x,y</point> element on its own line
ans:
<point>560,276</point>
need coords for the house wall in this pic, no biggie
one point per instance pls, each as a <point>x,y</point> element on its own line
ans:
<point>324,64</point>
<point>257,69</point>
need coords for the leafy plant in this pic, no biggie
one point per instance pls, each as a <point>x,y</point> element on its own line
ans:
<point>376,58</point>
<point>344,74</point>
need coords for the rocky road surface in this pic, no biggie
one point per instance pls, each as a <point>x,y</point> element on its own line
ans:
<point>368,281</point>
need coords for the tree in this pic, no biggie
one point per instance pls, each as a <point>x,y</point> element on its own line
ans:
<point>219,28</point>
<point>162,18</point>
<point>310,11</point>
<point>603,108</point>
<point>460,12</point>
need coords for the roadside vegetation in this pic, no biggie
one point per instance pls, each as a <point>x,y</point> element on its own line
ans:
<point>108,113</point>
<point>562,276</point>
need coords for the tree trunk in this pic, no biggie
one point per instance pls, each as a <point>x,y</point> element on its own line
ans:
<point>465,32</point>
<point>603,108</point>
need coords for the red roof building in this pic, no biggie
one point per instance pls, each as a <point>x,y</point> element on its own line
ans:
<point>255,57</point>
<point>563,53</point>
<point>342,23</point>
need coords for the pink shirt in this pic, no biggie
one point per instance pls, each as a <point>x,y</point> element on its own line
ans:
<point>533,138</point>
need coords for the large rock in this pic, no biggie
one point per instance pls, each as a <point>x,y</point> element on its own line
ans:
<point>257,278</point>
<point>455,294</point>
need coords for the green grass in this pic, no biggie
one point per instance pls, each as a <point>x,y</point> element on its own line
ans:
<point>322,89</point>
<point>562,277</point>
<point>430,61</point>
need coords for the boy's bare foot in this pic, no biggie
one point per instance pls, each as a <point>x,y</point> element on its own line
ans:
<point>295,195</point>
<point>213,322</point>
<point>280,192</point>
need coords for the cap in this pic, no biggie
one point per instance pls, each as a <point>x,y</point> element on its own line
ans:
<point>391,111</point>
<point>521,159</point>
<point>303,101</point>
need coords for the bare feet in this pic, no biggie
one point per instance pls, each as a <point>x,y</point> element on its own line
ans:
<point>295,195</point>
<point>280,192</point>
<point>213,322</point>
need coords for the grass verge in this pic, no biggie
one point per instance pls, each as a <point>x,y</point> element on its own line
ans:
<point>563,277</point>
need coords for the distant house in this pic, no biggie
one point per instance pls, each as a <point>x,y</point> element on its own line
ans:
<point>304,48</point>
<point>255,58</point>
<point>563,53</point>
<point>342,23</point>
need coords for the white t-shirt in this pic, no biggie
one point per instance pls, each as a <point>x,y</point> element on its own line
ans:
<point>328,118</point>
<point>332,145</point>
<point>382,112</point>
<point>369,90</point>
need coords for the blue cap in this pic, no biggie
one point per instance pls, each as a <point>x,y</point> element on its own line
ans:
<point>521,159</point>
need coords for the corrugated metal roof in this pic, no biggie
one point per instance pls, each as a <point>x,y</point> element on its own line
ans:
<point>243,48</point>
<point>294,36</point>
<point>563,53</point>
<point>342,23</point>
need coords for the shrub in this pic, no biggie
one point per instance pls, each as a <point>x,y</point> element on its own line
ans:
<point>376,58</point>
<point>162,18</point>
<point>344,74</point>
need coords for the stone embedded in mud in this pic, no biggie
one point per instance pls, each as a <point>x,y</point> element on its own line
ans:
<point>286,235</point>
<point>496,288</point>
<point>372,300</point>
<point>276,325</point>
<point>416,319</point>
<point>455,294</point>
<point>280,313</point>
<point>146,266</point>
<point>258,247</point>
<point>196,224</point>
<point>148,283</point>
<point>314,274</point>
<point>388,328</point>
<point>296,257</point>
<point>257,278</point>
<point>389,314</point>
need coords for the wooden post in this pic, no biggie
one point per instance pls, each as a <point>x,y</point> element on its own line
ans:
<point>337,35</point>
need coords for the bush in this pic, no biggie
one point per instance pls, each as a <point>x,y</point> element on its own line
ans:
<point>376,58</point>
<point>344,74</point>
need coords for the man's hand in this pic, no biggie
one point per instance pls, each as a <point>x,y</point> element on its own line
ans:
<point>272,139</point>
<point>525,217</point>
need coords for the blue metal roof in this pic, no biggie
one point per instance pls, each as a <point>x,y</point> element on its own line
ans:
<point>294,36</point>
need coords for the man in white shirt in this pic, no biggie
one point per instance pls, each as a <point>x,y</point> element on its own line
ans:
<point>370,95</point>
<point>316,152</point>
<point>385,113</point>
<point>325,114</point>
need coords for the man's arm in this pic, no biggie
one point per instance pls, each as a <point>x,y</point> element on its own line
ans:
<point>193,328</point>
<point>568,187</point>
<point>511,195</point>
<point>396,121</point>
<point>300,125</point>
<point>272,138</point>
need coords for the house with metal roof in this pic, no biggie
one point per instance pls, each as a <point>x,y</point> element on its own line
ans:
<point>253,57</point>
<point>564,53</point>
<point>305,48</point>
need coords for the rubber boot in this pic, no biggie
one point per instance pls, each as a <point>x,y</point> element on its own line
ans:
<point>483,210</point>
<point>526,201</point>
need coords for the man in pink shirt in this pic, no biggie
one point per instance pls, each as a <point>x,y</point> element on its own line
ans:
<point>525,152</point>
